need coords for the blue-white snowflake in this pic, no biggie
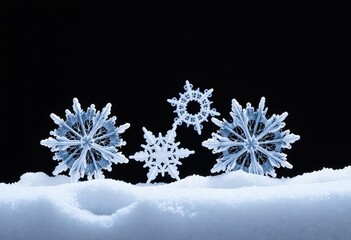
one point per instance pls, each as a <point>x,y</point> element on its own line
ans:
<point>161,154</point>
<point>193,96</point>
<point>86,142</point>
<point>251,142</point>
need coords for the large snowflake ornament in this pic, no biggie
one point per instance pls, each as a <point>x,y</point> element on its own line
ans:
<point>251,142</point>
<point>161,154</point>
<point>86,142</point>
<point>189,97</point>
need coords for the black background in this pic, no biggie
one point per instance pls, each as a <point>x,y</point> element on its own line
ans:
<point>138,54</point>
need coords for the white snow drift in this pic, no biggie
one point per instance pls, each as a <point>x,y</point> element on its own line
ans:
<point>235,205</point>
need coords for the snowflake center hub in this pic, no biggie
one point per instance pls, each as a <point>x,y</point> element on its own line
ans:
<point>251,143</point>
<point>87,142</point>
<point>161,156</point>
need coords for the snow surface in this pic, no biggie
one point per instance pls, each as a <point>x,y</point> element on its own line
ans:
<point>234,205</point>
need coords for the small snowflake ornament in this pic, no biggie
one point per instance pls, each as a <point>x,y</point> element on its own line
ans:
<point>189,97</point>
<point>251,142</point>
<point>161,154</point>
<point>86,142</point>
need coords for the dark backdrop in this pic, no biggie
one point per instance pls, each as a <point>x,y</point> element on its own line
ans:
<point>138,54</point>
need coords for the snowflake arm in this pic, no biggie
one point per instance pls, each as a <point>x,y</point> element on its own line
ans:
<point>181,104</point>
<point>86,142</point>
<point>251,142</point>
<point>161,154</point>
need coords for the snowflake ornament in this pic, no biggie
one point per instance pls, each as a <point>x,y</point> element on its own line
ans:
<point>86,142</point>
<point>161,154</point>
<point>189,97</point>
<point>251,142</point>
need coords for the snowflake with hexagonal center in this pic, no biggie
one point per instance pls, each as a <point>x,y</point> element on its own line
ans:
<point>86,142</point>
<point>188,99</point>
<point>251,142</point>
<point>161,154</point>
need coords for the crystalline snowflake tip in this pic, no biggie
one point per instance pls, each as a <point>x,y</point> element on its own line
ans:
<point>251,142</point>
<point>182,104</point>
<point>86,142</point>
<point>161,154</point>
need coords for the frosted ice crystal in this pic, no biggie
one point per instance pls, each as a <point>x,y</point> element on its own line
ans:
<point>251,142</point>
<point>161,154</point>
<point>86,142</point>
<point>191,96</point>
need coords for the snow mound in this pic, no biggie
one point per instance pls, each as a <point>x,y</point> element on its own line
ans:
<point>234,205</point>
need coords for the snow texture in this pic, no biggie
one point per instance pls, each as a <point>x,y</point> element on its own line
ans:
<point>86,143</point>
<point>251,142</point>
<point>161,154</point>
<point>232,205</point>
<point>193,96</point>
